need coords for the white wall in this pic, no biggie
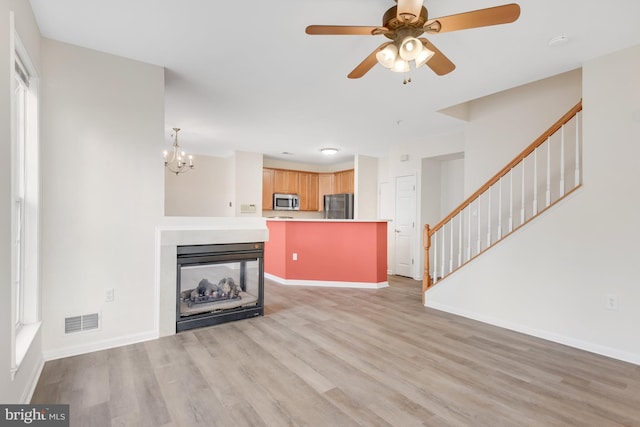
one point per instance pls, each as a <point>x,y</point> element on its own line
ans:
<point>431,187</point>
<point>203,191</point>
<point>452,184</point>
<point>308,167</point>
<point>501,125</point>
<point>396,165</point>
<point>552,278</point>
<point>247,182</point>
<point>15,390</point>
<point>366,187</point>
<point>102,135</point>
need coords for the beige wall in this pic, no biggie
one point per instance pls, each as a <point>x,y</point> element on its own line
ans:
<point>102,133</point>
<point>283,164</point>
<point>202,191</point>
<point>366,188</point>
<point>247,183</point>
<point>501,125</point>
<point>552,278</point>
<point>216,187</point>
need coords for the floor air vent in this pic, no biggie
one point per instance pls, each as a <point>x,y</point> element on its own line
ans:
<point>81,323</point>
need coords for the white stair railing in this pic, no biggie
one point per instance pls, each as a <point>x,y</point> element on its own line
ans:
<point>550,165</point>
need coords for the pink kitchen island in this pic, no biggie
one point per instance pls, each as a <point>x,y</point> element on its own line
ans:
<point>327,252</point>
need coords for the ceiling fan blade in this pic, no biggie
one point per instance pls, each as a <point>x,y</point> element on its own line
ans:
<point>346,30</point>
<point>477,18</point>
<point>408,10</point>
<point>439,63</point>
<point>367,64</point>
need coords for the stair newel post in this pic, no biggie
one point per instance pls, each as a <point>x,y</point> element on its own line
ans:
<point>426,277</point>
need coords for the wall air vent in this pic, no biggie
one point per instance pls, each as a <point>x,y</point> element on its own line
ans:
<point>81,323</point>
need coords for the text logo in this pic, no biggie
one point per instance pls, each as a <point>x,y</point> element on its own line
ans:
<point>34,415</point>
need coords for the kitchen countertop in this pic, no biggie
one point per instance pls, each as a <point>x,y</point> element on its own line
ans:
<point>325,220</point>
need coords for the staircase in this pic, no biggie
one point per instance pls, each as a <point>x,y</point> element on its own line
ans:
<point>542,175</point>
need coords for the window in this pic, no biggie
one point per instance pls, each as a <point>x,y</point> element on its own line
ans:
<point>21,86</point>
<point>25,192</point>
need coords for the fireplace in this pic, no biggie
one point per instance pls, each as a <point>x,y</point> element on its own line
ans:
<point>218,283</point>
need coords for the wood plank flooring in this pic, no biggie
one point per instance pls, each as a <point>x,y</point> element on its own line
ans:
<point>345,357</point>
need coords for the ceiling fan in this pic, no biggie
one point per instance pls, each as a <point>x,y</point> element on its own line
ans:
<point>404,24</point>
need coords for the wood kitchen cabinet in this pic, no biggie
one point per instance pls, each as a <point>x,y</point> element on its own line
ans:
<point>267,189</point>
<point>286,181</point>
<point>310,186</point>
<point>325,186</point>
<point>343,182</point>
<point>308,183</point>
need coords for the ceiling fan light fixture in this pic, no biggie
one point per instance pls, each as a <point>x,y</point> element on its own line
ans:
<point>387,56</point>
<point>400,66</point>
<point>410,48</point>
<point>424,56</point>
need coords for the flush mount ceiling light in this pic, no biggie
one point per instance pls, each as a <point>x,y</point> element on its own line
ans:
<point>404,23</point>
<point>177,161</point>
<point>329,151</point>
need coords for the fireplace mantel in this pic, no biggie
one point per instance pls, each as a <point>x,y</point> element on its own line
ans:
<point>194,231</point>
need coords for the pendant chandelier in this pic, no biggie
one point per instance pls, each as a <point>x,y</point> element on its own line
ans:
<point>178,161</point>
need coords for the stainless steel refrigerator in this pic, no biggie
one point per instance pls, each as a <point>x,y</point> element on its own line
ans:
<point>338,206</point>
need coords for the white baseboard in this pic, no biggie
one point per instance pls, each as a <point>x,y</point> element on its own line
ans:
<point>33,382</point>
<point>546,335</point>
<point>327,283</point>
<point>99,345</point>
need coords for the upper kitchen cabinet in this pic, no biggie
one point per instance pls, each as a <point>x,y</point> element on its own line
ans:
<point>308,191</point>
<point>310,186</point>
<point>343,182</point>
<point>267,189</point>
<point>325,186</point>
<point>286,181</point>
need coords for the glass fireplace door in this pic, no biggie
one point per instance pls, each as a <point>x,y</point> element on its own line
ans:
<point>218,282</point>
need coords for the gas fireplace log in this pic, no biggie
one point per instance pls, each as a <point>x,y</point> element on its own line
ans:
<point>206,291</point>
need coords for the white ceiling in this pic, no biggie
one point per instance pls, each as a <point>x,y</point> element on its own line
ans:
<point>245,76</point>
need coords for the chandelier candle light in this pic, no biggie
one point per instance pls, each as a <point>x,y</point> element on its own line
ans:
<point>178,161</point>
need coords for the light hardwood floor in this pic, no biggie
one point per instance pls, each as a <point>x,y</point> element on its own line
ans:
<point>343,357</point>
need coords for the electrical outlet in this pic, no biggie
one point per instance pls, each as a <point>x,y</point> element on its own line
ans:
<point>612,302</point>
<point>295,256</point>
<point>109,295</point>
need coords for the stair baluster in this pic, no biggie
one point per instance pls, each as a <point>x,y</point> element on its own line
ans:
<point>437,266</point>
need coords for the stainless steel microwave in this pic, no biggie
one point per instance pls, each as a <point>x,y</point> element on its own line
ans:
<point>286,202</point>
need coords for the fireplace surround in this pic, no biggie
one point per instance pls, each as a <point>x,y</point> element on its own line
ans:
<point>182,231</point>
<point>218,283</point>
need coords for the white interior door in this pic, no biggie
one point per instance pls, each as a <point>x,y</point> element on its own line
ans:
<point>405,224</point>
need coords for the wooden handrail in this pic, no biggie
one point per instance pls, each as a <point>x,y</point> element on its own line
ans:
<point>428,232</point>
<point>538,142</point>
